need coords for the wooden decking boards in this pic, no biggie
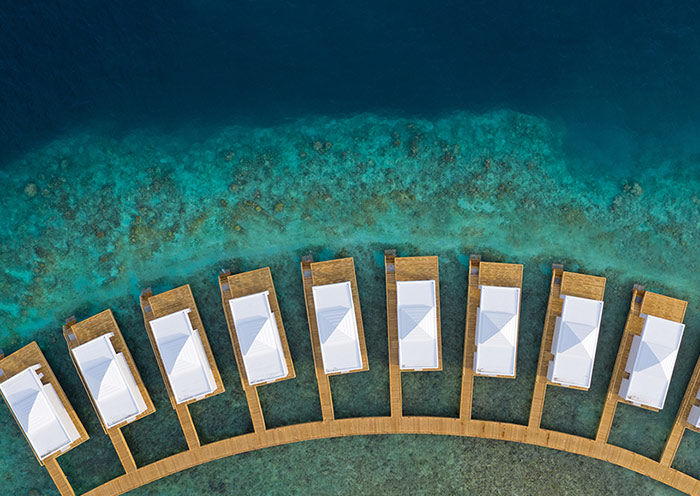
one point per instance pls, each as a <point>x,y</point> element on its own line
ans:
<point>341,270</point>
<point>20,360</point>
<point>244,284</point>
<point>317,274</point>
<point>563,283</point>
<point>642,303</point>
<point>156,306</point>
<point>77,333</point>
<point>481,274</point>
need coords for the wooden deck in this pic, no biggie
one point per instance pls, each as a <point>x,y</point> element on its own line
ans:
<point>481,274</point>
<point>15,363</point>
<point>317,274</point>
<point>155,306</point>
<point>397,423</point>
<point>244,284</point>
<point>418,269</point>
<point>77,333</point>
<point>642,303</point>
<point>563,283</point>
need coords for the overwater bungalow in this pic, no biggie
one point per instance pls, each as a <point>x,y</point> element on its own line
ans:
<point>257,333</point>
<point>494,298</point>
<point>182,351</point>
<point>38,403</point>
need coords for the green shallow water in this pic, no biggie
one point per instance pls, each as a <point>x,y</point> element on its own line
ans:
<point>93,219</point>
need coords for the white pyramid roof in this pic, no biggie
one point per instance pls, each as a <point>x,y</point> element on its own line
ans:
<point>417,324</point>
<point>575,341</point>
<point>40,413</point>
<point>258,337</point>
<point>185,361</point>
<point>337,327</point>
<point>497,330</point>
<point>109,381</point>
<point>651,362</point>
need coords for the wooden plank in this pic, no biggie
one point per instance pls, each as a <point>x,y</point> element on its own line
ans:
<point>395,392</point>
<point>422,269</point>
<point>663,307</point>
<point>244,284</point>
<point>188,428</point>
<point>324,386</point>
<point>342,270</point>
<point>58,477</point>
<point>29,356</point>
<point>473,298</point>
<point>554,306</point>
<point>583,285</point>
<point>122,449</point>
<point>77,333</point>
<point>633,326</point>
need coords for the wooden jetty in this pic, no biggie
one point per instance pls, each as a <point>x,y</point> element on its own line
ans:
<point>155,306</point>
<point>563,283</point>
<point>481,274</point>
<point>244,284</point>
<point>317,274</point>
<point>643,303</point>
<point>406,269</point>
<point>329,427</point>
<point>77,333</point>
<point>19,361</point>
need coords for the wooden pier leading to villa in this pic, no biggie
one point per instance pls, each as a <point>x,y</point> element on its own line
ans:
<point>563,283</point>
<point>161,305</point>
<point>246,284</point>
<point>77,333</point>
<point>480,274</point>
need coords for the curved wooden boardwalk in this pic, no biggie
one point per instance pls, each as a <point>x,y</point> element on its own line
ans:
<point>404,425</point>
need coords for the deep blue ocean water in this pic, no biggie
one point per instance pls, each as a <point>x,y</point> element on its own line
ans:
<point>152,143</point>
<point>618,76</point>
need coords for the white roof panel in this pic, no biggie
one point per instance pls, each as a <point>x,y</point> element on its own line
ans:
<point>109,380</point>
<point>651,361</point>
<point>183,356</point>
<point>417,323</point>
<point>575,341</point>
<point>40,413</point>
<point>497,331</point>
<point>258,337</point>
<point>337,327</point>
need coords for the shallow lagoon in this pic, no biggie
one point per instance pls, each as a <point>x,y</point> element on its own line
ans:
<point>92,219</point>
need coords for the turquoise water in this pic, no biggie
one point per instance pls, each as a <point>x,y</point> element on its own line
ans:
<point>92,217</point>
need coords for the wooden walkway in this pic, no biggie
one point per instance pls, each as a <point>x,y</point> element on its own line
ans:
<point>417,269</point>
<point>642,303</point>
<point>563,283</point>
<point>77,333</point>
<point>244,284</point>
<point>15,363</point>
<point>465,426</point>
<point>164,304</point>
<point>395,392</point>
<point>404,425</point>
<point>481,274</point>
